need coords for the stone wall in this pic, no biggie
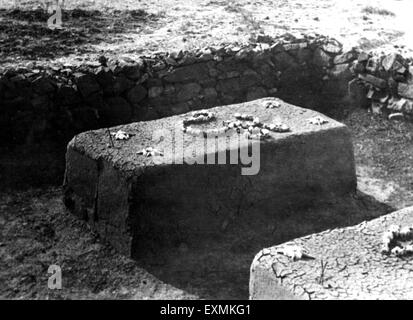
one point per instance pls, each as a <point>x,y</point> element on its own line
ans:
<point>384,82</point>
<point>41,104</point>
<point>58,101</point>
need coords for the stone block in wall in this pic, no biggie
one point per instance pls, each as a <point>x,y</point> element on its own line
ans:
<point>244,54</point>
<point>341,71</point>
<point>154,82</point>
<point>21,124</point>
<point>406,90</point>
<point>151,114</point>
<point>249,78</point>
<point>373,65</point>
<point>43,85</point>
<point>86,84</point>
<point>15,105</point>
<point>187,91</point>
<point>9,89</point>
<point>277,47</point>
<point>169,89</point>
<point>116,111</point>
<point>131,69</point>
<point>95,100</point>
<point>136,94</point>
<point>321,58</point>
<point>227,98</point>
<point>206,55</point>
<point>393,86</point>
<point>284,61</point>
<point>121,84</point>
<point>332,46</point>
<point>304,55</point>
<point>155,92</point>
<point>67,96</point>
<point>213,72</point>
<point>209,95</point>
<point>104,76</point>
<point>256,93</point>
<point>227,75</point>
<point>393,62</point>
<point>228,86</point>
<point>358,67</point>
<point>295,46</point>
<point>375,81</point>
<point>40,103</point>
<point>345,57</point>
<point>23,86</point>
<point>268,75</point>
<point>230,65</point>
<point>195,72</point>
<point>179,108</point>
<point>363,57</point>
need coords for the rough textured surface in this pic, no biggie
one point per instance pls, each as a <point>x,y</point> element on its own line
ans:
<point>355,267</point>
<point>139,205</point>
<point>44,105</point>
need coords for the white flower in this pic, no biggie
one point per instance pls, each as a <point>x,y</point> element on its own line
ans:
<point>150,152</point>
<point>120,135</point>
<point>317,120</point>
<point>294,252</point>
<point>397,251</point>
<point>405,232</point>
<point>387,237</point>
<point>265,132</point>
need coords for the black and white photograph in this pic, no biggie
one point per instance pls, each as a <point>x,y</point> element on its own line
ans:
<point>182,151</point>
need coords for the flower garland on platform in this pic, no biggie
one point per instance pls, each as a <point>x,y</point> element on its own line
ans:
<point>393,238</point>
<point>254,128</point>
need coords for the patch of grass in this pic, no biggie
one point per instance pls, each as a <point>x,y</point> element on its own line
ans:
<point>378,11</point>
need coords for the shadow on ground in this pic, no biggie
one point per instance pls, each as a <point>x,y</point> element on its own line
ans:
<point>220,269</point>
<point>36,232</point>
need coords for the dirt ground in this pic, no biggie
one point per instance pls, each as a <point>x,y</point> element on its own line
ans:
<point>36,231</point>
<point>135,27</point>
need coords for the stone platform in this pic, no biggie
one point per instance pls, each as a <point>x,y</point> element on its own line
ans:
<point>355,269</point>
<point>146,204</point>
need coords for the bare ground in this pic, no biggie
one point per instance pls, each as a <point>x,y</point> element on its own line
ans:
<point>141,27</point>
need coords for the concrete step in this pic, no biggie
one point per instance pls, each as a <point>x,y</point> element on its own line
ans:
<point>347,264</point>
<point>140,203</point>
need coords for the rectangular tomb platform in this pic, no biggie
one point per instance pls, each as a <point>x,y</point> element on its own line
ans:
<point>138,187</point>
<point>347,263</point>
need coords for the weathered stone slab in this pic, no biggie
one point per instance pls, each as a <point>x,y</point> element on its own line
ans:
<point>356,268</point>
<point>141,203</point>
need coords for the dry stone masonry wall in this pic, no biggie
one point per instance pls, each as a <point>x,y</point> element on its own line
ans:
<point>56,101</point>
